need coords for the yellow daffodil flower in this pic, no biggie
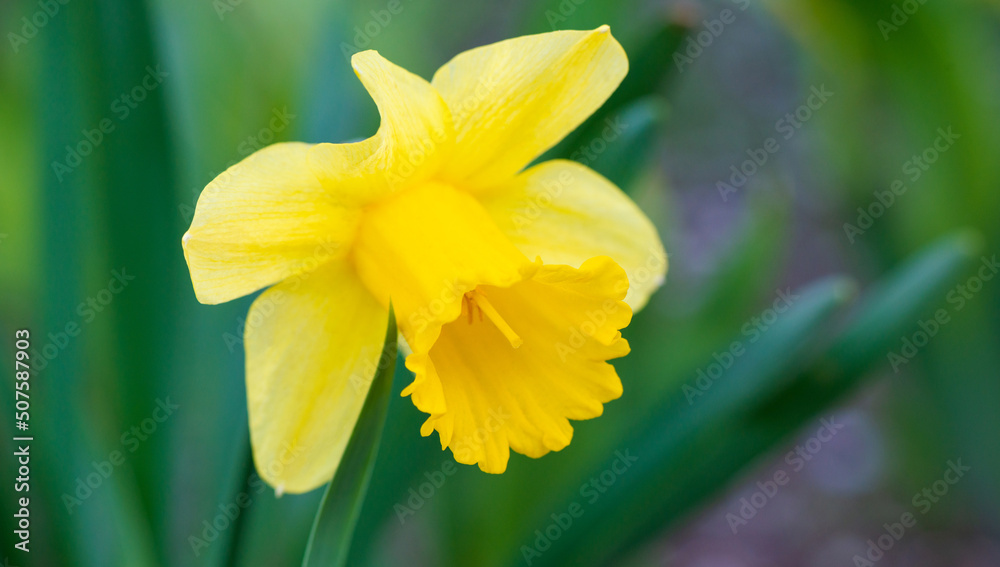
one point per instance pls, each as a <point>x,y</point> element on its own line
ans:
<point>510,285</point>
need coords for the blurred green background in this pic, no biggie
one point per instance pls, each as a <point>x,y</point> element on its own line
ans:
<point>800,283</point>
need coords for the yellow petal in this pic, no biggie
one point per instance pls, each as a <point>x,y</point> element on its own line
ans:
<point>427,246</point>
<point>565,213</point>
<point>487,394</point>
<point>312,346</point>
<point>414,137</point>
<point>263,220</point>
<point>510,101</point>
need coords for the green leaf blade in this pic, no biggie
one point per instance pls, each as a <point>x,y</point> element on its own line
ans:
<point>333,529</point>
<point>690,451</point>
<point>681,453</point>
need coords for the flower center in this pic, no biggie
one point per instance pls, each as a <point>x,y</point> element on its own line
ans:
<point>474,301</point>
<point>425,248</point>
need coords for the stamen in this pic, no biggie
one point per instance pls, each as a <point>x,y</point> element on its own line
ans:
<point>479,298</point>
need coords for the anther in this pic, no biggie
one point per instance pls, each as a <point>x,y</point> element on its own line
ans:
<point>486,307</point>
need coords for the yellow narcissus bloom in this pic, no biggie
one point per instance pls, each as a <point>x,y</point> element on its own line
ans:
<point>510,285</point>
